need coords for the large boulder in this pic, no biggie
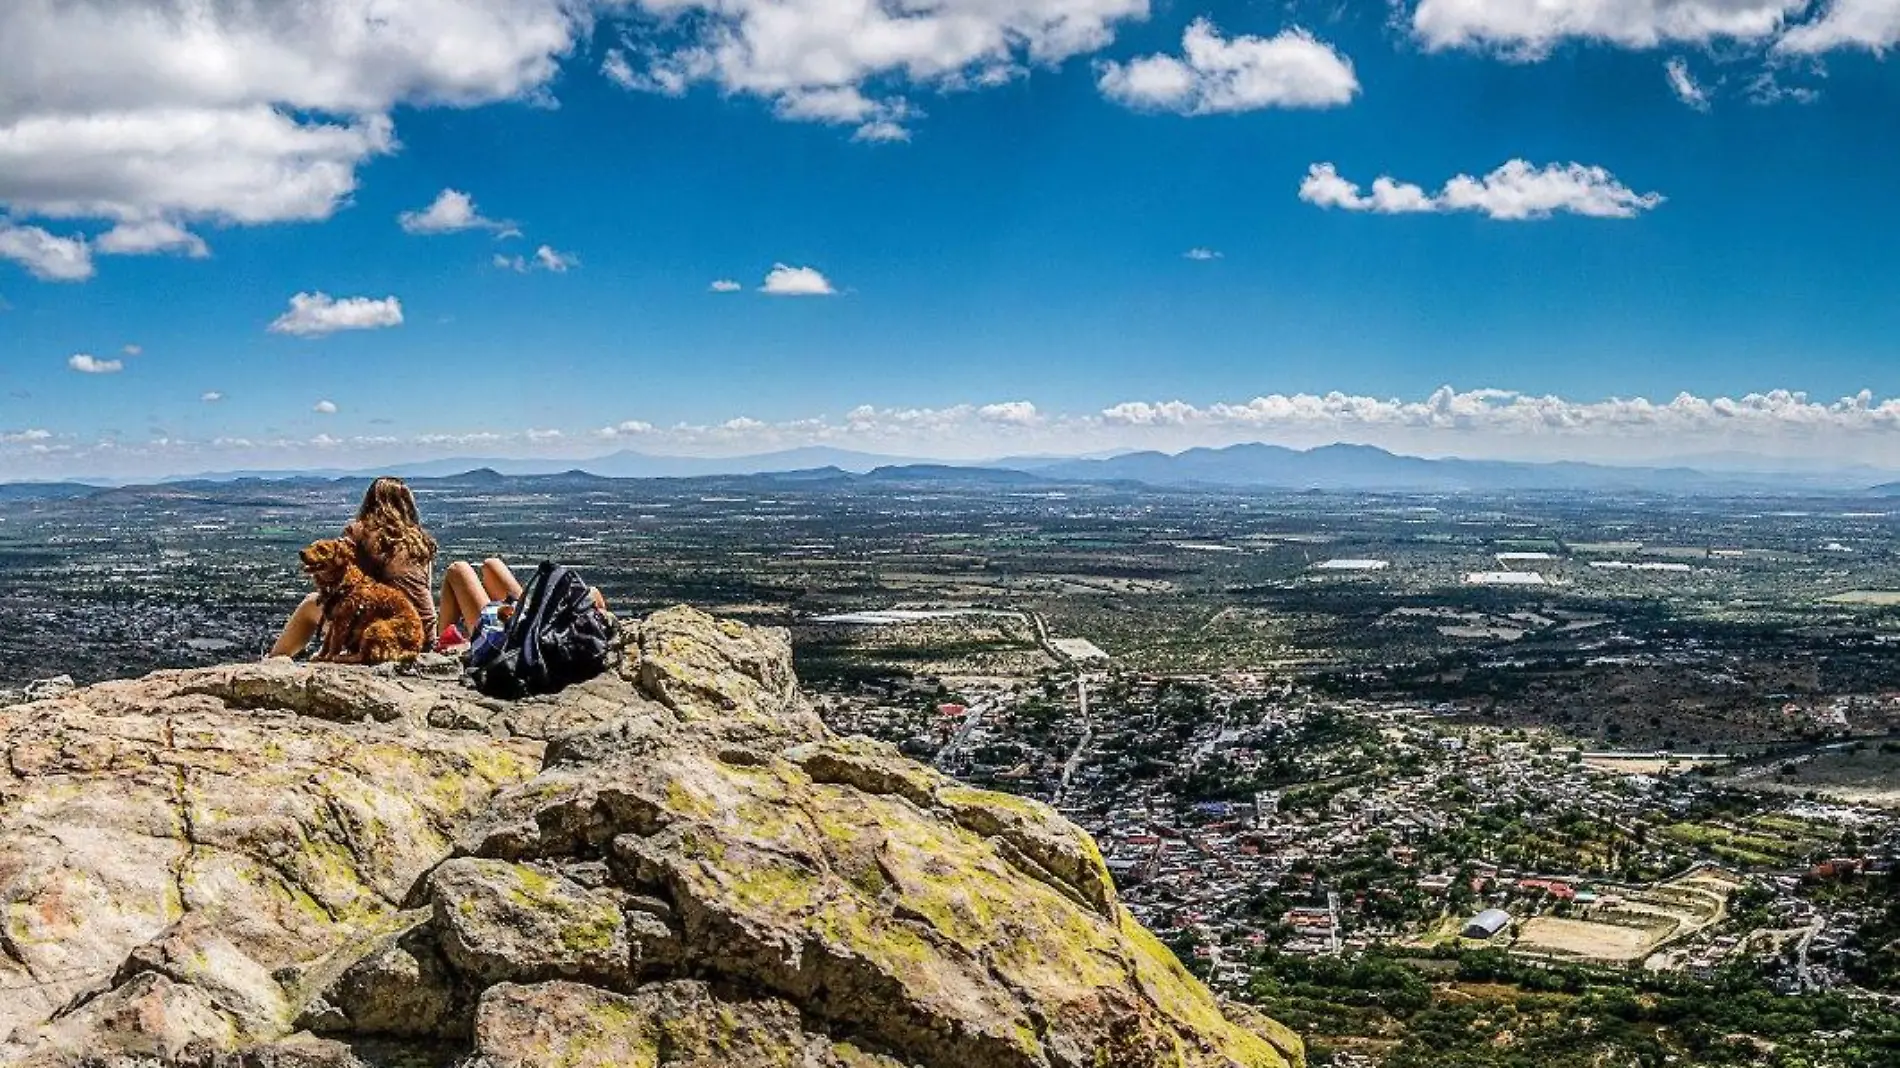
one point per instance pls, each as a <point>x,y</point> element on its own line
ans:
<point>676,863</point>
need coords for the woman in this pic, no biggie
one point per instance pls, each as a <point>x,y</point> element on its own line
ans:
<point>473,602</point>
<point>476,606</point>
<point>392,547</point>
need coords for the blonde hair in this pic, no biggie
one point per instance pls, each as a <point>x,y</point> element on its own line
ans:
<point>388,525</point>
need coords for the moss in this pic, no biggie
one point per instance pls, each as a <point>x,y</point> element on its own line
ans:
<point>1182,997</point>
<point>686,803</point>
<point>592,932</point>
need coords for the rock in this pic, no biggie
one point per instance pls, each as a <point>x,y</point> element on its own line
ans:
<point>195,952</point>
<point>679,1024</point>
<point>397,986</point>
<point>150,1015</point>
<point>128,806</point>
<point>40,689</point>
<point>505,922</point>
<point>675,863</point>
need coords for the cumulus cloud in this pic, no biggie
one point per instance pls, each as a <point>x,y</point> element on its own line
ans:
<point>44,255</point>
<point>1684,85</point>
<point>177,111</point>
<point>1516,191</point>
<point>1873,25</point>
<point>1011,413</point>
<point>631,428</point>
<point>1216,74</point>
<point>133,350</point>
<point>317,314</point>
<point>1495,423</point>
<point>92,365</point>
<point>783,281</point>
<point>451,211</point>
<point>1201,254</point>
<point>148,236</point>
<point>1514,414</point>
<point>881,131</point>
<point>324,407</point>
<point>854,63</point>
<point>725,285</point>
<point>1529,30</point>
<point>211,396</point>
<point>19,437</point>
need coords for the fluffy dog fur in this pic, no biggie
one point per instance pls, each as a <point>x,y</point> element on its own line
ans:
<point>364,621</point>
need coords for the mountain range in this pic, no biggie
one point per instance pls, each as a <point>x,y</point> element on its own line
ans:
<point>1245,466</point>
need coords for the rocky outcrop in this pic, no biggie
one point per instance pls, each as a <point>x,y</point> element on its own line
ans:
<point>285,864</point>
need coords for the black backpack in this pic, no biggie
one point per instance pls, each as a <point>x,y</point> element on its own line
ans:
<point>558,637</point>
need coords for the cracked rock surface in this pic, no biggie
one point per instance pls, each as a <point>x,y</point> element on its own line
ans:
<point>327,866</point>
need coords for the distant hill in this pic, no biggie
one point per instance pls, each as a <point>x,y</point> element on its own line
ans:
<point>1248,466</point>
<point>45,491</point>
<point>623,464</point>
<point>949,473</point>
<point>1365,467</point>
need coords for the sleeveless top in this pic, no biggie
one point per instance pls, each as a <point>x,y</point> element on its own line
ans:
<point>415,578</point>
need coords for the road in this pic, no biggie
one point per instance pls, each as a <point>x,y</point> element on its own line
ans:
<point>1802,969</point>
<point>1081,743</point>
<point>972,718</point>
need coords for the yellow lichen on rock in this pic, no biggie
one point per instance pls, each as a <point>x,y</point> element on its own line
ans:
<point>677,865</point>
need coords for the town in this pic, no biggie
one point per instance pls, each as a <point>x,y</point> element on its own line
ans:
<point>1424,777</point>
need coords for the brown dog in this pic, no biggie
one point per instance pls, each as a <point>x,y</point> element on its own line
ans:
<point>364,621</point>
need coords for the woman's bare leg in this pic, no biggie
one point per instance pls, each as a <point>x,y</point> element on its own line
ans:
<point>497,581</point>
<point>462,598</point>
<point>298,630</point>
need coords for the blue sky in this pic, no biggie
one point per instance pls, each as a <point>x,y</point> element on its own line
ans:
<point>1001,199</point>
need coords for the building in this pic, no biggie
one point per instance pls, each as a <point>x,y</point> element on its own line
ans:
<point>1487,923</point>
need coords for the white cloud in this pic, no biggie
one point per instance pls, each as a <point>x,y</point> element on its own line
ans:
<point>545,258</point>
<point>725,285</point>
<point>1870,24</point>
<point>559,262</point>
<point>45,256</point>
<point>790,51</point>
<point>92,365</point>
<point>1011,413</point>
<point>1684,85</point>
<point>783,281</point>
<point>241,113</point>
<point>148,236</point>
<point>631,428</point>
<point>1201,254</point>
<point>211,397</point>
<point>450,212</point>
<point>1516,191</point>
<point>881,131</point>
<point>1528,30</point>
<point>324,407</point>
<point>1476,423</point>
<point>1216,74</point>
<point>317,314</point>
<point>133,350</point>
<point>243,165</point>
<point>1766,89</point>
